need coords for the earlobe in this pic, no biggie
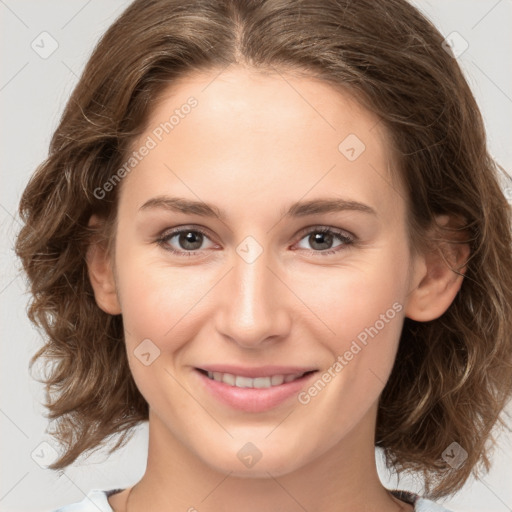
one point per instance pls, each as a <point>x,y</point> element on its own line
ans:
<point>101,274</point>
<point>437,279</point>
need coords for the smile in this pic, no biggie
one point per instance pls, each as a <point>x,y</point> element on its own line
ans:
<point>257,382</point>
<point>259,390</point>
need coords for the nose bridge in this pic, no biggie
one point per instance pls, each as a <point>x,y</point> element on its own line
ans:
<point>255,308</point>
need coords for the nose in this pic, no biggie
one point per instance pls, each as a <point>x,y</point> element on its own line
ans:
<point>255,302</point>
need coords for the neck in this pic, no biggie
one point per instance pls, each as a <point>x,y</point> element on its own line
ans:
<point>342,479</point>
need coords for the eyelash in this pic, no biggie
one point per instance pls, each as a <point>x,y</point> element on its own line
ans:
<point>346,239</point>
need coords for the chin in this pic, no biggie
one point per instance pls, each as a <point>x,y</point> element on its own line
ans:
<point>271,461</point>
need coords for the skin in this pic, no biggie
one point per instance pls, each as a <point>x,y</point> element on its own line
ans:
<point>254,144</point>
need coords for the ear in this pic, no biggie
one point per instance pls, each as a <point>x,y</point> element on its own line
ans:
<point>438,274</point>
<point>101,273</point>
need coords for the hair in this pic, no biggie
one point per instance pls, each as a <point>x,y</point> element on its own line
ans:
<point>453,375</point>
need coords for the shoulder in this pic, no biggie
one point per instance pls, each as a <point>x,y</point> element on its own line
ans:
<point>420,504</point>
<point>95,501</point>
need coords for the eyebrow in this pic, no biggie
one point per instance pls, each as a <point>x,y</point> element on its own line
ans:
<point>297,209</point>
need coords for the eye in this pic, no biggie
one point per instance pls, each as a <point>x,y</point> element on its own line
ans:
<point>321,239</point>
<point>188,240</point>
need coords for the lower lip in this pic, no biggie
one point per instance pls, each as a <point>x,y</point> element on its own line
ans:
<point>253,399</point>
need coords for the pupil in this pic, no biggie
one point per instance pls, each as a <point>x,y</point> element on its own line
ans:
<point>191,238</point>
<point>321,238</point>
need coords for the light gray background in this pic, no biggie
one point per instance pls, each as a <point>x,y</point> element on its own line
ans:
<point>33,92</point>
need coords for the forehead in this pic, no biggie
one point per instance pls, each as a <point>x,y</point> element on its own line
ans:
<point>266,103</point>
<point>267,135</point>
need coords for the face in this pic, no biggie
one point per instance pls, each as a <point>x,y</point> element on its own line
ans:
<point>299,263</point>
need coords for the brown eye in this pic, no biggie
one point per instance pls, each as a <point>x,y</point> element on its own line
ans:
<point>321,240</point>
<point>190,240</point>
<point>183,241</point>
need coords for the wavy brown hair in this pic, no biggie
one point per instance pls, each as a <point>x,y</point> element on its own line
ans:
<point>453,375</point>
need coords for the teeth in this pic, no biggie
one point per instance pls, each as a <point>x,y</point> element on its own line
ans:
<point>247,382</point>
<point>263,382</point>
<point>244,382</point>
<point>227,378</point>
<point>277,380</point>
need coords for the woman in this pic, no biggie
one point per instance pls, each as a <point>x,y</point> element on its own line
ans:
<point>273,230</point>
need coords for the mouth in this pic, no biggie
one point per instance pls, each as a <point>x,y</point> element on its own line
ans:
<point>257,392</point>
<point>261,382</point>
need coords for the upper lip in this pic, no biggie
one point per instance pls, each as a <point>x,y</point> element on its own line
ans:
<point>256,371</point>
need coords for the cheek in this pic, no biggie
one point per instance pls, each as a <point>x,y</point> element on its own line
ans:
<point>159,308</point>
<point>351,300</point>
<point>364,309</point>
<point>158,302</point>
